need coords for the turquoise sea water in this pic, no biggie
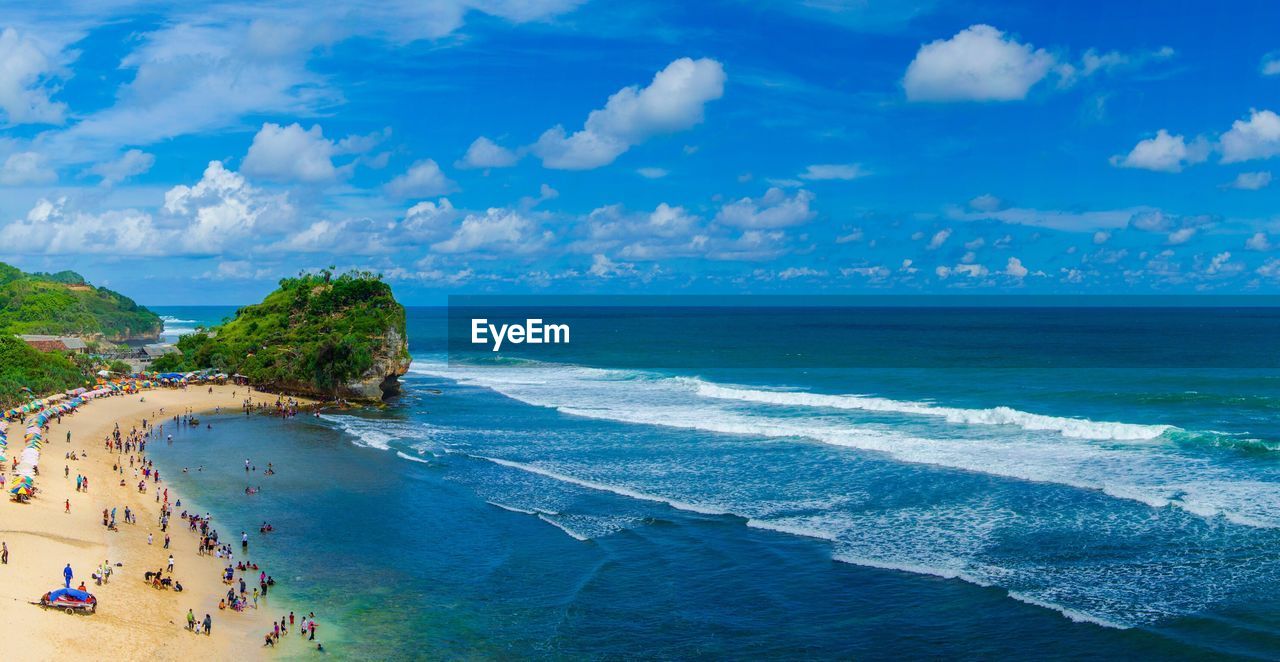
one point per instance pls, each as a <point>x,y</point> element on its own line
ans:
<point>668,503</point>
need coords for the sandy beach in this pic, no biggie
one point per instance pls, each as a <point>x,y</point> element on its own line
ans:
<point>133,620</point>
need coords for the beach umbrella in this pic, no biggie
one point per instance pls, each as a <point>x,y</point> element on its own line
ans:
<point>21,490</point>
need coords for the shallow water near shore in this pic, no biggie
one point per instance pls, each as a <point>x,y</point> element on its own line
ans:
<point>571,510</point>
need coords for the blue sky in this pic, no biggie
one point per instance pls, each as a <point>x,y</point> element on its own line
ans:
<point>580,146</point>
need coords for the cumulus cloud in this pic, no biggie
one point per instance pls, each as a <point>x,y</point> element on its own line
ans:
<point>841,171</point>
<point>1258,242</point>
<point>1251,181</point>
<point>980,63</point>
<point>130,164</point>
<point>422,180</point>
<point>53,229</point>
<point>603,267</point>
<point>673,101</point>
<point>652,173</point>
<point>1181,236</point>
<point>428,221</point>
<point>775,209</point>
<point>27,72</point>
<point>986,202</point>
<point>484,153</point>
<point>1257,138</point>
<point>1015,269</point>
<point>223,210</point>
<point>291,153</point>
<point>22,168</point>
<point>667,231</point>
<point>1101,237</point>
<point>494,231</point>
<point>939,238</point>
<point>1271,64</point>
<point>1164,153</point>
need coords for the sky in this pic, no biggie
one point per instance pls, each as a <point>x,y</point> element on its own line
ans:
<point>188,155</point>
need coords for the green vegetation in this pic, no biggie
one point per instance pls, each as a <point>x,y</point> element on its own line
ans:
<point>64,304</point>
<point>23,366</point>
<point>58,304</point>
<point>315,335</point>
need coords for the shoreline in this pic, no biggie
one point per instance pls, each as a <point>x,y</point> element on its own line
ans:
<point>133,620</point>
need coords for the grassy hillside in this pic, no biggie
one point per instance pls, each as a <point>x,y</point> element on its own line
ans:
<point>63,303</point>
<point>316,334</point>
<point>22,366</point>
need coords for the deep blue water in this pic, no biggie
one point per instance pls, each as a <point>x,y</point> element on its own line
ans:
<point>747,503</point>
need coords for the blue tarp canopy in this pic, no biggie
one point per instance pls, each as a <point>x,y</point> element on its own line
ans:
<point>72,593</point>
<point>171,375</point>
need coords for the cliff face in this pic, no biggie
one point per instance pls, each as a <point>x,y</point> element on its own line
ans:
<point>382,379</point>
<point>318,335</point>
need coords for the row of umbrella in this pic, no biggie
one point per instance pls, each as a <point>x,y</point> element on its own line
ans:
<point>46,409</point>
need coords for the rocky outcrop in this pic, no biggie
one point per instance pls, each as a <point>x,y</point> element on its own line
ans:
<point>382,379</point>
<point>319,335</point>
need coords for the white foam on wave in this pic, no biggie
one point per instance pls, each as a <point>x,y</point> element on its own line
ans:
<point>792,529</point>
<point>513,509</point>
<point>1077,428</point>
<point>1152,474</point>
<point>1073,615</point>
<point>412,458</point>
<point>361,432</point>
<point>570,532</point>
<point>601,487</point>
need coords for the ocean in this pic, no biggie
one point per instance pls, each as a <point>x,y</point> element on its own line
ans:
<point>874,482</point>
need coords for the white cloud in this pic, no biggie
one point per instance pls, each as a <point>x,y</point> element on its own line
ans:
<point>1258,242</point>
<point>603,267</point>
<point>23,168</point>
<point>652,173</point>
<point>207,68</point>
<point>429,221</point>
<point>842,171</point>
<point>237,270</point>
<point>1057,219</point>
<point>1257,138</point>
<point>422,180</point>
<point>853,236</point>
<point>1251,181</point>
<point>350,236</point>
<point>50,228</point>
<point>1181,236</point>
<point>224,210</point>
<point>130,164</point>
<point>291,153</point>
<point>1101,236</point>
<point>1094,62</point>
<point>484,153</point>
<point>1221,264</point>
<point>774,210</point>
<point>1271,64</point>
<point>791,273</point>
<point>939,238</point>
<point>672,102</point>
<point>496,231</point>
<point>1015,269</point>
<point>978,64</point>
<point>26,71</point>
<point>1163,153</point>
<point>986,202</point>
